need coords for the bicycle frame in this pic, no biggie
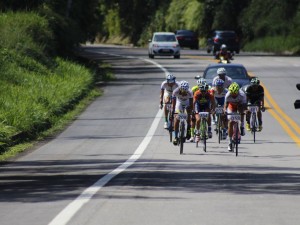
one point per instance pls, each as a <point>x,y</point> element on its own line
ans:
<point>170,119</point>
<point>203,129</point>
<point>219,112</point>
<point>182,116</point>
<point>236,118</point>
<point>253,119</point>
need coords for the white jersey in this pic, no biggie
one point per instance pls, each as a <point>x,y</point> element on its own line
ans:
<point>182,98</point>
<point>220,95</point>
<point>227,81</point>
<point>240,99</point>
<point>168,88</point>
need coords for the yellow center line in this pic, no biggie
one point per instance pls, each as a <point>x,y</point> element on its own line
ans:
<point>283,119</point>
<point>289,125</point>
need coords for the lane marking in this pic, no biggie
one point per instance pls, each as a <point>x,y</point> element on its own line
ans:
<point>72,208</point>
<point>282,118</point>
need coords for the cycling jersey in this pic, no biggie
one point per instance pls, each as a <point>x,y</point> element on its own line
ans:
<point>227,81</point>
<point>254,93</point>
<point>233,103</point>
<point>168,88</point>
<point>182,99</point>
<point>195,88</point>
<point>219,97</point>
<point>202,101</point>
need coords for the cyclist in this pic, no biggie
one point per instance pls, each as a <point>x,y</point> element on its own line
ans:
<point>203,102</point>
<point>223,52</point>
<point>182,97</point>
<point>219,93</point>
<point>222,75</point>
<point>166,89</point>
<point>235,101</point>
<point>200,81</point>
<point>255,95</point>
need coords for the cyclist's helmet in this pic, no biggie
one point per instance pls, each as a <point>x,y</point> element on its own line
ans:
<point>223,47</point>
<point>255,81</point>
<point>184,86</point>
<point>170,78</point>
<point>221,71</point>
<point>219,83</point>
<point>234,88</point>
<point>203,88</point>
<point>201,82</point>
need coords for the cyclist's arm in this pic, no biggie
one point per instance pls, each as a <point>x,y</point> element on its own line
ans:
<point>162,91</point>
<point>173,103</point>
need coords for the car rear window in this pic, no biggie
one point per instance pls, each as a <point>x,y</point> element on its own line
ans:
<point>227,35</point>
<point>185,32</point>
<point>233,72</point>
<point>164,38</point>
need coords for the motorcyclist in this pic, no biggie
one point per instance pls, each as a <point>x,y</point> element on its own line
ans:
<point>225,53</point>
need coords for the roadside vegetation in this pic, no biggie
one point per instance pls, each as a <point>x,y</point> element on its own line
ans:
<point>37,91</point>
<point>269,25</point>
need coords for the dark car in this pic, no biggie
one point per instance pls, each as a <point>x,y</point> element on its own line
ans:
<point>187,38</point>
<point>227,37</point>
<point>237,72</point>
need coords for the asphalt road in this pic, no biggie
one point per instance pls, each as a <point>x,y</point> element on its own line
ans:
<point>115,165</point>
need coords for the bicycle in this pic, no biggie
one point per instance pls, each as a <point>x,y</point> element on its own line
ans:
<point>236,118</point>
<point>218,129</point>
<point>253,108</point>
<point>170,119</point>
<point>182,116</point>
<point>203,130</point>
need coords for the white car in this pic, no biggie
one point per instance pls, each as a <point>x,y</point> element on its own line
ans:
<point>164,44</point>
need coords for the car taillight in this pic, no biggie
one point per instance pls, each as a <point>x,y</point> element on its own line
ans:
<point>216,39</point>
<point>179,38</point>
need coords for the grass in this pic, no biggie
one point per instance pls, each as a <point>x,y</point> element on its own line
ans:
<point>279,45</point>
<point>43,93</point>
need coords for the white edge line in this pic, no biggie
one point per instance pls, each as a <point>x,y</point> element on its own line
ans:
<point>71,209</point>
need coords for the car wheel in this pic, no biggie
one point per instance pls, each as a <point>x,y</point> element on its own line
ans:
<point>237,51</point>
<point>176,56</point>
<point>151,56</point>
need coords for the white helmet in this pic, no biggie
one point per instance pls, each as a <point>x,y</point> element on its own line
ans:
<point>170,78</point>
<point>221,71</point>
<point>201,81</point>
<point>184,85</point>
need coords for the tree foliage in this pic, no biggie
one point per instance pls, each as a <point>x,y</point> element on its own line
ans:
<point>75,21</point>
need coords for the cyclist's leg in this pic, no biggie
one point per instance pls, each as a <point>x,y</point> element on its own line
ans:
<point>193,125</point>
<point>178,106</point>
<point>167,97</point>
<point>241,110</point>
<point>230,131</point>
<point>209,122</point>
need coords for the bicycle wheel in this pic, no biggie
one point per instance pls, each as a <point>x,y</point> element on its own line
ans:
<point>203,133</point>
<point>219,128</point>
<point>253,125</point>
<point>181,137</point>
<point>236,133</point>
<point>170,127</point>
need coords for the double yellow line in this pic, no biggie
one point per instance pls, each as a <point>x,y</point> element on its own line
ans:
<point>290,127</point>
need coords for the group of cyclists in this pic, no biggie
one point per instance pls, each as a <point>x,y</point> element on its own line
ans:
<point>204,98</point>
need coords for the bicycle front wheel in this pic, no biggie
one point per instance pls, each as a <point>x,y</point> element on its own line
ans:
<point>236,139</point>
<point>181,137</point>
<point>203,131</point>
<point>219,128</point>
<point>253,125</point>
